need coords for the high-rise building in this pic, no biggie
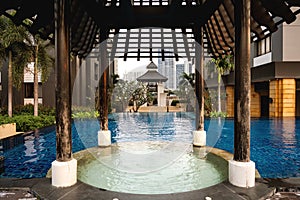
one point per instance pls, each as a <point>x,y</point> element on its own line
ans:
<point>180,69</point>
<point>168,69</point>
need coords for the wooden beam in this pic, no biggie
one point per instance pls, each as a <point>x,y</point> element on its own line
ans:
<point>242,82</point>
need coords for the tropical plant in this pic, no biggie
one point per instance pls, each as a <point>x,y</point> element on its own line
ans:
<point>43,62</point>
<point>216,114</point>
<point>223,63</point>
<point>13,47</point>
<point>140,96</point>
<point>130,92</point>
<point>187,90</point>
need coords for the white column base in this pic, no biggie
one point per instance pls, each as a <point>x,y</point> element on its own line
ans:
<point>199,138</point>
<point>64,174</point>
<point>104,138</point>
<point>242,174</point>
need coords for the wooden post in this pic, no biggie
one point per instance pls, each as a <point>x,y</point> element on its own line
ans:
<point>199,135</point>
<point>63,92</point>
<point>103,84</point>
<point>242,82</point>
<point>199,80</point>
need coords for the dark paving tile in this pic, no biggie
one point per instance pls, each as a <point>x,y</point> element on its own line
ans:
<point>282,182</point>
<point>261,190</point>
<point>224,191</point>
<point>21,183</point>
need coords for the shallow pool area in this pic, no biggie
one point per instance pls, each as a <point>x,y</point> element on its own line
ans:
<point>275,142</point>
<point>150,167</point>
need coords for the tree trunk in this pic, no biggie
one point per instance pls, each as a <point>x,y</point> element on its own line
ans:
<point>199,85</point>
<point>242,82</point>
<point>10,85</point>
<point>219,92</point>
<point>36,84</point>
<point>63,82</point>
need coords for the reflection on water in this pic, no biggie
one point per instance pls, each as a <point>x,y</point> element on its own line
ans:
<point>275,146</point>
<point>275,142</point>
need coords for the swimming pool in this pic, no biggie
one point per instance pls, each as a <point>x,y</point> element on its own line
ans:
<point>275,143</point>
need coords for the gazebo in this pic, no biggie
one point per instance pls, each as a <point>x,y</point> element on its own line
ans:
<point>221,26</point>
<point>155,79</point>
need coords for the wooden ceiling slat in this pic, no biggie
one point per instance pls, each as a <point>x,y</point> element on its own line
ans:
<point>226,22</point>
<point>89,42</point>
<point>279,8</point>
<point>114,46</point>
<point>214,35</point>
<point>186,45</point>
<point>261,16</point>
<point>90,15</point>
<point>175,44</point>
<point>222,31</point>
<point>212,40</point>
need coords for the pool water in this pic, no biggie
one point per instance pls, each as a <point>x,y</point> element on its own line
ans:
<point>275,143</point>
<point>150,167</point>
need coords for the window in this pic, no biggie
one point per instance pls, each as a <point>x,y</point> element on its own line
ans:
<point>96,71</point>
<point>264,46</point>
<point>28,87</point>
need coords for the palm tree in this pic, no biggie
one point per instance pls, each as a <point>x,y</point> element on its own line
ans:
<point>43,62</point>
<point>223,64</point>
<point>12,47</point>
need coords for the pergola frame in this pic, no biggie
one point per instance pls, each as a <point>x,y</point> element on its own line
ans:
<point>228,26</point>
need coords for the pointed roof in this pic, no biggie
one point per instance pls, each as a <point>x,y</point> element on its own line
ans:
<point>152,65</point>
<point>152,75</point>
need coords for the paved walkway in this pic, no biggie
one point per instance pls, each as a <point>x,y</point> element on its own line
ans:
<point>41,188</point>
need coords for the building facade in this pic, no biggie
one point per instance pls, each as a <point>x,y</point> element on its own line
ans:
<point>275,75</point>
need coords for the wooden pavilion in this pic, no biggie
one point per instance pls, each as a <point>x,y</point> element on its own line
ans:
<point>219,26</point>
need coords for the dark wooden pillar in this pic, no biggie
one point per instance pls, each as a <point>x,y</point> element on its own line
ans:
<point>103,84</point>
<point>63,79</point>
<point>242,81</point>
<point>199,81</point>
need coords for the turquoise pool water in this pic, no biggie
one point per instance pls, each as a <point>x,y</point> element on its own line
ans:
<point>150,167</point>
<point>275,143</point>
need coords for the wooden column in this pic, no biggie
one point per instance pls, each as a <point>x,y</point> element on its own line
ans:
<point>63,79</point>
<point>103,84</point>
<point>199,81</point>
<point>242,82</point>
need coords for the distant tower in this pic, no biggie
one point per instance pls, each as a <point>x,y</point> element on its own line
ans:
<point>168,69</point>
<point>180,68</point>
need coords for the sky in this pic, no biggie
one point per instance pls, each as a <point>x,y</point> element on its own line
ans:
<point>132,63</point>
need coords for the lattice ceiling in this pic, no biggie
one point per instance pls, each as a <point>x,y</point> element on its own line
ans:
<point>90,17</point>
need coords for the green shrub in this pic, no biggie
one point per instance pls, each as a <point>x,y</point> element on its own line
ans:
<point>215,114</point>
<point>28,110</point>
<point>85,114</point>
<point>174,102</point>
<point>26,123</point>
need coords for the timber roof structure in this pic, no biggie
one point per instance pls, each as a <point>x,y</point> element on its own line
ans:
<point>124,23</point>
